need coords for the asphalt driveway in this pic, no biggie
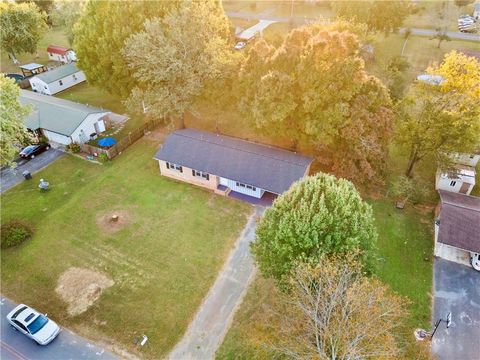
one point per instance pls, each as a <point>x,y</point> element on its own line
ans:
<point>456,290</point>
<point>16,346</point>
<point>10,178</point>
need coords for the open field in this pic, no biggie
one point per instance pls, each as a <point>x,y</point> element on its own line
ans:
<point>162,257</point>
<point>404,262</point>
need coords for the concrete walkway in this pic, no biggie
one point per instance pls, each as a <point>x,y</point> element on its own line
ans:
<point>212,321</point>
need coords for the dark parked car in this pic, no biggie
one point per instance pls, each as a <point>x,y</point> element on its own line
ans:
<point>32,150</point>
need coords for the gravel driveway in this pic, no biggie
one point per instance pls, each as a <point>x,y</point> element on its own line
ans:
<point>10,177</point>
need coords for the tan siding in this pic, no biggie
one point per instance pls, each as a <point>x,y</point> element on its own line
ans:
<point>187,176</point>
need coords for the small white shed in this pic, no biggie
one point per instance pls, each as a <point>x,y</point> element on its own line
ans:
<point>461,179</point>
<point>58,79</point>
<point>61,53</point>
<point>62,121</point>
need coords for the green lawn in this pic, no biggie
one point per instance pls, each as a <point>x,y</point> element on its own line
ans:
<point>163,261</point>
<point>404,262</point>
<point>92,95</point>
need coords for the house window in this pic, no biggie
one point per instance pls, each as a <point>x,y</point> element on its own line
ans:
<point>202,174</point>
<point>250,187</point>
<point>60,82</point>
<point>175,167</point>
<point>50,54</point>
<point>45,87</point>
<point>74,77</point>
<point>453,183</point>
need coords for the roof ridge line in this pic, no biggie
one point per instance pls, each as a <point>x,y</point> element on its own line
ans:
<point>249,152</point>
<point>462,206</point>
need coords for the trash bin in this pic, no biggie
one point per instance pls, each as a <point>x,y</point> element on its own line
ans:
<point>26,174</point>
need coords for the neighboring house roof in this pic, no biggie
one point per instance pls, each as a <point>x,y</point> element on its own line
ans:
<point>54,114</point>
<point>58,73</point>
<point>431,79</point>
<point>263,166</point>
<point>460,221</point>
<point>57,49</point>
<point>31,66</point>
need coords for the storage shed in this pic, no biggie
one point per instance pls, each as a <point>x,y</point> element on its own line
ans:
<point>61,53</point>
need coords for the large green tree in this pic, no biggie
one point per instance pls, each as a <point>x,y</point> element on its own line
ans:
<point>13,132</point>
<point>175,57</point>
<point>319,215</point>
<point>22,26</point>
<point>314,89</point>
<point>378,15</point>
<point>100,35</point>
<point>435,120</point>
<point>66,13</point>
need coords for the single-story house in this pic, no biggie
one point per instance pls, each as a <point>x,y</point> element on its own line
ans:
<point>460,179</point>
<point>32,69</point>
<point>58,79</point>
<point>61,53</point>
<point>457,227</point>
<point>62,121</point>
<point>230,166</point>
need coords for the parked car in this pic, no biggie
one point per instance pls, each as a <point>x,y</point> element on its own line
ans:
<point>240,45</point>
<point>475,260</point>
<point>32,150</point>
<point>34,325</point>
<point>466,23</point>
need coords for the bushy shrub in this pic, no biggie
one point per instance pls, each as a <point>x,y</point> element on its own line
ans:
<point>73,147</point>
<point>15,232</point>
<point>103,158</point>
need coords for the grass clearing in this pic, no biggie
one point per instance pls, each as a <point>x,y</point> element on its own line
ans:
<point>53,36</point>
<point>162,262</point>
<point>405,241</point>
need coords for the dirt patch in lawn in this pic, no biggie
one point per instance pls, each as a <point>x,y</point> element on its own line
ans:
<point>113,221</point>
<point>80,288</point>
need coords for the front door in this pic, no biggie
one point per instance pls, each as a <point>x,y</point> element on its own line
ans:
<point>464,188</point>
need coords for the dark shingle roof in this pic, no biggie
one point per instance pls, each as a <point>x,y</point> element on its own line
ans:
<point>460,221</point>
<point>265,167</point>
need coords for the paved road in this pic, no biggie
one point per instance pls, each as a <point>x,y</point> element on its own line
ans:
<point>456,290</point>
<point>297,20</point>
<point>67,346</point>
<point>451,34</point>
<point>10,178</point>
<point>207,330</point>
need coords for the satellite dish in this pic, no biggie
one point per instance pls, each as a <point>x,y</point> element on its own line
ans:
<point>449,319</point>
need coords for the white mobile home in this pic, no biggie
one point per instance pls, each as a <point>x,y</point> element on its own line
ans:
<point>62,121</point>
<point>58,79</point>
<point>61,53</point>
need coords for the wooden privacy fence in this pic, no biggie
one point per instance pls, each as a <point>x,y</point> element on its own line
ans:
<point>123,143</point>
